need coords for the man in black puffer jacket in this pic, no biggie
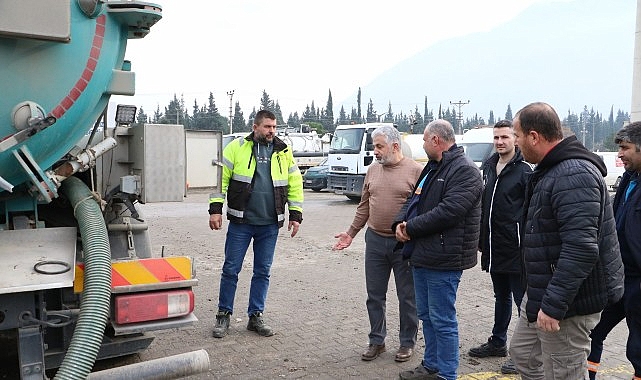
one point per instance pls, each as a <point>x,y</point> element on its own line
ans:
<point>573,266</point>
<point>439,226</point>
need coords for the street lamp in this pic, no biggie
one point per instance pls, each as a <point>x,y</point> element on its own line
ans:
<point>231,96</point>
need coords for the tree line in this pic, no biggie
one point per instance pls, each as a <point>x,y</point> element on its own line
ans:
<point>590,126</point>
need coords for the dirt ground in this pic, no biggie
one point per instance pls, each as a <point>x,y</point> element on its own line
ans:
<point>316,303</point>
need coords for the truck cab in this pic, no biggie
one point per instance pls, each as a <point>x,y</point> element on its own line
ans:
<point>478,143</point>
<point>350,155</point>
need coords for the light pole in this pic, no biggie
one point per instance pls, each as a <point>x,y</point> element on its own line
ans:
<point>459,115</point>
<point>231,96</point>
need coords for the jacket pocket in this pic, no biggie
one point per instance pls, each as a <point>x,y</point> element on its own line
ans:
<point>238,194</point>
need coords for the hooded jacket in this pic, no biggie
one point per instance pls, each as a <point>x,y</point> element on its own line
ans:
<point>570,248</point>
<point>502,206</point>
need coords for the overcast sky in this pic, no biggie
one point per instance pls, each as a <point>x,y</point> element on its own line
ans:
<point>295,50</point>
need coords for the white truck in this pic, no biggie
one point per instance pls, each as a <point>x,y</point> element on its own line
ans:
<point>352,152</point>
<point>478,143</point>
<point>615,168</point>
<point>308,147</point>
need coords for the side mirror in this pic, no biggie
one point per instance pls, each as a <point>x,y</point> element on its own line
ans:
<point>369,142</point>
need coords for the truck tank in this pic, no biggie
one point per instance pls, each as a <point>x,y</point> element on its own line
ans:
<point>72,240</point>
<point>57,81</point>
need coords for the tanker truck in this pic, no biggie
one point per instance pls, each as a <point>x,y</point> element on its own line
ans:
<point>80,282</point>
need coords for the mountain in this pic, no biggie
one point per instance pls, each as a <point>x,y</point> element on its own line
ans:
<point>568,54</point>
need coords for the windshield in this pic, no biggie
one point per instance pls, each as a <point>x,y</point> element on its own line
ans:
<point>347,141</point>
<point>478,152</point>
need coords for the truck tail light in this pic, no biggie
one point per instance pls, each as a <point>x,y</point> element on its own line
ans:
<point>132,308</point>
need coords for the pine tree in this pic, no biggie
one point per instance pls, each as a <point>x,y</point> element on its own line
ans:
<point>427,114</point>
<point>211,105</point>
<point>142,117</point>
<point>371,114</point>
<point>157,115</point>
<point>293,120</point>
<point>418,121</point>
<point>508,113</point>
<point>389,116</point>
<point>279,114</point>
<point>238,123</point>
<point>358,101</point>
<point>327,116</point>
<point>490,120</point>
<point>342,117</point>
<point>250,120</point>
<point>173,112</point>
<point>354,118</point>
<point>266,103</point>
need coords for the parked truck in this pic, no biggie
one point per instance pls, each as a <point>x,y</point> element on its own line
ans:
<point>615,168</point>
<point>352,151</point>
<point>478,143</point>
<point>309,149</point>
<point>80,282</point>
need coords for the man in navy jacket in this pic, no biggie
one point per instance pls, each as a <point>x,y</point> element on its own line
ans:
<point>627,211</point>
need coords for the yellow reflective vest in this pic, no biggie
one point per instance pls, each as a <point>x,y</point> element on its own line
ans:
<point>239,166</point>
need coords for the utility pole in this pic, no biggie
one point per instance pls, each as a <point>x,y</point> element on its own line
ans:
<point>459,115</point>
<point>584,130</point>
<point>231,114</point>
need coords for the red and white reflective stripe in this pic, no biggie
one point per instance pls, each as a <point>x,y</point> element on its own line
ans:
<point>593,367</point>
<point>142,307</point>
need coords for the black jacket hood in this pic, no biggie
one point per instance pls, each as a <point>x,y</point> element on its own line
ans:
<point>568,148</point>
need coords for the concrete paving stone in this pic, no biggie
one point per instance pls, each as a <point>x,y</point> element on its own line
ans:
<point>316,304</point>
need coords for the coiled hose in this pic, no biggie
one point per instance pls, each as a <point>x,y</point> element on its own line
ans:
<point>94,305</point>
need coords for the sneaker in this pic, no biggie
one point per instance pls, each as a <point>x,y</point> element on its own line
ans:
<point>488,349</point>
<point>257,324</point>
<point>508,368</point>
<point>222,323</point>
<point>419,373</point>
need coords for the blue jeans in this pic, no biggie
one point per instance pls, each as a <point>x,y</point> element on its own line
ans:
<point>435,305</point>
<point>506,286</point>
<point>236,244</point>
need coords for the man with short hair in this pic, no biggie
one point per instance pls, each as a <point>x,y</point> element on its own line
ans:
<point>505,174</point>
<point>627,212</point>
<point>260,178</point>
<point>387,184</point>
<point>439,229</point>
<point>571,254</point>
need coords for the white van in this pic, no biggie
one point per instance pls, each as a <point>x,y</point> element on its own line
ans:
<point>478,143</point>
<point>615,168</point>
